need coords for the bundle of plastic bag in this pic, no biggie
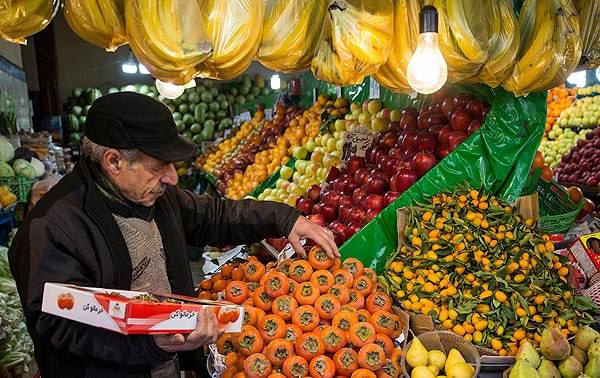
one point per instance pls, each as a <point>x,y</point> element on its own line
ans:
<point>101,23</point>
<point>392,74</point>
<point>235,30</point>
<point>21,18</point>
<point>291,33</point>
<point>168,37</point>
<point>589,22</point>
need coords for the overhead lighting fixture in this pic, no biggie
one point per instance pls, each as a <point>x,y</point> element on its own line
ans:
<point>143,69</point>
<point>172,91</point>
<point>130,65</point>
<point>577,78</point>
<point>427,70</point>
<point>275,82</point>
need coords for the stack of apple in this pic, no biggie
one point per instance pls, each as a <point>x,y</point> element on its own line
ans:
<point>409,147</point>
<point>580,165</point>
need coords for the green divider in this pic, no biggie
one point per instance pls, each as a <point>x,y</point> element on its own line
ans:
<point>496,158</point>
<point>270,182</point>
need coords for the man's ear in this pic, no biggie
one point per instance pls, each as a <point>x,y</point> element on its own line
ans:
<point>112,162</point>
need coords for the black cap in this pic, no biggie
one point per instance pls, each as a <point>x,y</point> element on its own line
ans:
<point>428,19</point>
<point>129,120</point>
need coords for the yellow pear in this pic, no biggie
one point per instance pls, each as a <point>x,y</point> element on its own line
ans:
<point>416,354</point>
<point>434,369</point>
<point>460,370</point>
<point>437,358</point>
<point>422,372</point>
<point>454,357</point>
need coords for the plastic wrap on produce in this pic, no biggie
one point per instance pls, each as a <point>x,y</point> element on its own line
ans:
<point>589,23</point>
<point>550,46</point>
<point>291,32</point>
<point>101,23</point>
<point>21,18</point>
<point>392,74</point>
<point>168,37</point>
<point>235,30</point>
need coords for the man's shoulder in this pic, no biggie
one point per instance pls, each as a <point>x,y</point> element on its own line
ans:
<point>67,195</point>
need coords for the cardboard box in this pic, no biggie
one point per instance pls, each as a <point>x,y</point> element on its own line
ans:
<point>586,251</point>
<point>123,312</point>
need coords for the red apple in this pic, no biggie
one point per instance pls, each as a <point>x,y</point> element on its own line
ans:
<point>444,135</point>
<point>403,180</point>
<point>390,197</point>
<point>409,140</point>
<point>317,209</point>
<point>314,192</point>
<point>448,106</point>
<point>305,205</point>
<point>381,154</point>
<point>474,126</point>
<point>423,162</point>
<point>389,139</point>
<point>329,212</point>
<point>346,200</point>
<point>376,185</point>
<point>331,197</point>
<point>437,119</point>
<point>344,212</point>
<point>456,138</point>
<point>442,151</point>
<point>385,113</point>
<point>354,228</point>
<point>318,219</point>
<point>460,120</point>
<point>395,126</point>
<point>426,142</point>
<point>354,163</point>
<point>408,119</point>
<point>339,184</point>
<point>423,120</point>
<point>338,237</point>
<point>462,99</point>
<point>476,108</point>
<point>371,213</point>
<point>361,175</point>
<point>357,215</point>
<point>373,201</point>
<point>358,196</point>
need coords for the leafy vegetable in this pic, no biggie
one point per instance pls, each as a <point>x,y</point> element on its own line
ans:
<point>24,168</point>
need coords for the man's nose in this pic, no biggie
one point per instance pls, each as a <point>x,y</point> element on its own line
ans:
<point>169,175</point>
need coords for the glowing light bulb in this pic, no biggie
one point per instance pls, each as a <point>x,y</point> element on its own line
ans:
<point>169,90</point>
<point>143,69</point>
<point>129,68</point>
<point>275,82</point>
<point>427,70</point>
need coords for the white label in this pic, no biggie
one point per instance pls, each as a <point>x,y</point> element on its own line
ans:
<point>373,88</point>
<point>400,338</point>
<point>245,116</point>
<point>288,251</point>
<point>357,142</point>
<point>338,91</point>
<point>268,114</point>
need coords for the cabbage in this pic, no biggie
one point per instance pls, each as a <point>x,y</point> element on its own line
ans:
<point>7,152</point>
<point>38,167</point>
<point>6,170</point>
<point>24,168</point>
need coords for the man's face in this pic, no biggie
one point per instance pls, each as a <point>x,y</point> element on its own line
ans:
<point>144,180</point>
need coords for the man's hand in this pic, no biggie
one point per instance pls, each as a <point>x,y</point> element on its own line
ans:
<point>207,331</point>
<point>305,229</point>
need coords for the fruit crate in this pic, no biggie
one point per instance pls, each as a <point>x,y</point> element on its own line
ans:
<point>557,211</point>
<point>19,185</point>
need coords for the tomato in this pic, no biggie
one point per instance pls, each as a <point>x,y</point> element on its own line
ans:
<point>327,306</point>
<point>249,341</point>
<point>236,292</point>
<point>354,266</point>
<point>300,271</point>
<point>383,322</point>
<point>310,345</point>
<point>225,343</point>
<point>254,271</point>
<point>385,342</point>
<point>227,314</point>
<point>396,357</point>
<point>378,301</point>
<point>284,267</point>
<point>257,366</point>
<point>295,367</point>
<point>276,284</point>
<point>371,274</point>
<point>321,367</point>
<point>371,356</point>
<point>363,373</point>
<point>344,320</point>
<point>237,274</point>
<point>284,306</point>
<point>341,292</point>
<point>333,338</point>
<point>343,277</point>
<point>261,299</point>
<point>278,351</point>
<point>323,279</point>
<point>361,333</point>
<point>363,285</point>
<point>306,317</point>
<point>346,361</point>
<point>271,327</point>
<point>389,370</point>
<point>318,258</point>
<point>357,300</point>
<point>292,332</point>
<point>306,293</point>
<point>250,315</point>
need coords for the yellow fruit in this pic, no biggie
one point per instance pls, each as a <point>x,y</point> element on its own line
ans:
<point>459,330</point>
<point>500,296</point>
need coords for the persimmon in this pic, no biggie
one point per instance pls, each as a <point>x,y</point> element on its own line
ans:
<point>292,289</point>
<point>363,285</point>
<point>292,332</point>
<point>232,360</point>
<point>295,367</point>
<point>385,342</point>
<point>333,338</point>
<point>309,345</point>
<point>356,299</point>
<point>396,356</point>
<point>206,284</point>
<point>226,270</point>
<point>205,295</point>
<point>249,341</point>
<point>361,333</point>
<point>284,267</point>
<point>346,361</point>
<point>271,327</point>
<point>219,285</point>
<point>237,274</point>
<point>327,306</point>
<point>252,286</point>
<point>323,279</point>
<point>389,370</point>
<point>344,320</point>
<point>236,292</point>
<point>277,375</point>
<point>343,277</point>
<point>378,301</point>
<point>371,274</point>
<point>371,356</point>
<point>261,299</point>
<point>276,284</point>
<point>337,264</point>
<point>341,292</point>
<point>354,266</point>
<point>240,374</point>
<point>226,314</point>
<point>279,350</point>
<point>229,372</point>
<point>383,322</point>
<point>284,306</point>
<point>306,293</point>
<point>397,326</point>
<point>321,367</point>
<point>363,373</point>
<point>254,270</point>
<point>216,277</point>
<point>225,343</point>
<point>300,271</point>
<point>363,315</point>
<point>257,365</point>
<point>319,259</point>
<point>306,317</point>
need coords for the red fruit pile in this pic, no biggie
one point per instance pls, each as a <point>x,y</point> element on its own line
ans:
<point>580,166</point>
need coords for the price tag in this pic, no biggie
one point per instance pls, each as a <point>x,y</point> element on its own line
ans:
<point>357,142</point>
<point>288,251</point>
<point>246,116</point>
<point>373,88</point>
<point>338,91</point>
<point>268,114</point>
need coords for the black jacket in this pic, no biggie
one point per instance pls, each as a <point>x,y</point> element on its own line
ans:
<point>71,237</point>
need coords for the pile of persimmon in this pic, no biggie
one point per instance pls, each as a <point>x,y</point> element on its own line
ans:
<point>318,317</point>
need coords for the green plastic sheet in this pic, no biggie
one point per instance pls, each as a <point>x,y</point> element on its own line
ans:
<point>497,158</point>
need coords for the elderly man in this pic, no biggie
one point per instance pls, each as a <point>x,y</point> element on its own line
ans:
<point>119,221</point>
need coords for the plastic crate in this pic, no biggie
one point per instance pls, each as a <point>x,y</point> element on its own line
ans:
<point>19,185</point>
<point>557,211</point>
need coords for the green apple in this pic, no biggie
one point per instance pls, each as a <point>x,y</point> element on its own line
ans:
<point>340,125</point>
<point>318,140</point>
<point>339,145</point>
<point>395,115</point>
<point>300,166</point>
<point>379,124</point>
<point>261,196</point>
<point>279,182</point>
<point>374,106</point>
<point>311,145</point>
<point>331,144</point>
<point>354,106</point>
<point>270,198</point>
<point>300,152</point>
<point>286,172</point>
<point>364,119</point>
<point>296,176</point>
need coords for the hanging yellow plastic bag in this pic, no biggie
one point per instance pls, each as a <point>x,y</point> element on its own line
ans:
<point>589,20</point>
<point>168,37</point>
<point>392,74</point>
<point>235,29</point>
<point>101,23</point>
<point>21,18</point>
<point>550,46</point>
<point>291,33</point>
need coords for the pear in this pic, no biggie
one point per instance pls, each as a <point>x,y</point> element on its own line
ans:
<point>460,370</point>
<point>579,354</point>
<point>437,358</point>
<point>547,369</point>
<point>523,369</point>
<point>594,349</point>
<point>528,353</point>
<point>434,369</point>
<point>422,372</point>
<point>554,345</point>
<point>416,354</point>
<point>593,368</point>
<point>585,337</point>
<point>570,367</point>
<point>454,357</point>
